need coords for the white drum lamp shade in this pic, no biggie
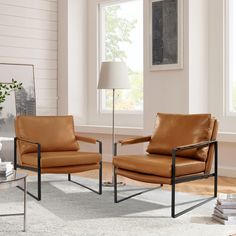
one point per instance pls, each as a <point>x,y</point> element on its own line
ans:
<point>113,75</point>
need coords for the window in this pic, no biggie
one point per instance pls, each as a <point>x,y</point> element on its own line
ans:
<point>231,57</point>
<point>121,39</point>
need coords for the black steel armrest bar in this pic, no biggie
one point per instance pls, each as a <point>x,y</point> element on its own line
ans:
<point>100,146</point>
<point>25,140</point>
<point>187,147</point>
<point>196,145</point>
<point>175,180</point>
<point>38,167</point>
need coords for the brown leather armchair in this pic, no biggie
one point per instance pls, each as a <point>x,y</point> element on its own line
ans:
<point>49,144</point>
<point>181,149</point>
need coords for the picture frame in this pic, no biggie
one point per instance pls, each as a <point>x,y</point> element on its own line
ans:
<point>166,35</point>
<point>21,102</point>
<point>25,99</point>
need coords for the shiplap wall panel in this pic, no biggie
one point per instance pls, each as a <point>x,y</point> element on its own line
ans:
<point>46,74</point>
<point>45,83</point>
<point>28,43</point>
<point>28,53</point>
<point>32,4</point>
<point>28,35</point>
<point>38,63</point>
<point>30,13</point>
<point>24,22</point>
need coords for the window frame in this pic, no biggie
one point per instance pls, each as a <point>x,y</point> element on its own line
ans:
<point>227,44</point>
<point>94,116</point>
<point>100,46</point>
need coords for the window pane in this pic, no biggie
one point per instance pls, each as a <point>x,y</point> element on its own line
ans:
<point>121,28</point>
<point>232,56</point>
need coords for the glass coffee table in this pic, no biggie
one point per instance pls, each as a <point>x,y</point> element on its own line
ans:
<point>15,180</point>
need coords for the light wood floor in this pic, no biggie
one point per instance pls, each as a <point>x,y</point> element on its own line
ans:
<point>225,184</point>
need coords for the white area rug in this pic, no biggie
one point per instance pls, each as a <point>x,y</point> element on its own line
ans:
<point>68,209</point>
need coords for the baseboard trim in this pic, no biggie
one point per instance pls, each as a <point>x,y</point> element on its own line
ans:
<point>227,171</point>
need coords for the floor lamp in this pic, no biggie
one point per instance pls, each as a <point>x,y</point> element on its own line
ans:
<point>113,75</point>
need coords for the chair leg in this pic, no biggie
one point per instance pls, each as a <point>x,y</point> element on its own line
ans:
<point>39,184</point>
<point>130,196</point>
<point>216,169</point>
<point>173,200</point>
<point>100,182</point>
<point>15,154</point>
<point>100,178</point>
<point>215,185</point>
<point>38,196</point>
<point>115,185</point>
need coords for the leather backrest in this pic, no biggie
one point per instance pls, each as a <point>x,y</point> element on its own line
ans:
<point>174,130</point>
<point>54,133</point>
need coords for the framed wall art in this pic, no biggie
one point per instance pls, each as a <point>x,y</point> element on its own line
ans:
<point>22,102</point>
<point>166,34</point>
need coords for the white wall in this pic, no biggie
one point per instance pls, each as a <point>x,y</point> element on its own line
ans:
<point>72,61</point>
<point>28,34</point>
<point>198,56</point>
<point>164,91</point>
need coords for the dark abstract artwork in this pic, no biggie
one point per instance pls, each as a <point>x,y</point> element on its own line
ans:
<point>165,35</point>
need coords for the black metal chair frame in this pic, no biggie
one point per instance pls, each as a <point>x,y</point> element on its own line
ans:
<point>176,180</point>
<point>38,169</point>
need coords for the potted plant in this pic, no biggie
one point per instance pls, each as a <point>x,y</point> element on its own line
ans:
<point>6,89</point>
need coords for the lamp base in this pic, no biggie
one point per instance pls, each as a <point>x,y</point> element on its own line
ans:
<point>111,184</point>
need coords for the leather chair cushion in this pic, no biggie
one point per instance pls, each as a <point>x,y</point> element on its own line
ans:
<point>143,177</point>
<point>159,165</point>
<point>174,130</point>
<point>61,159</point>
<point>54,133</point>
<point>69,169</point>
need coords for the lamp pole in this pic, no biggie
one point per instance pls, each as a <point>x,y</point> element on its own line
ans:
<point>113,123</point>
<point>113,75</point>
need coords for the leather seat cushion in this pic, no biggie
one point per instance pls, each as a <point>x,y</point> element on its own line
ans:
<point>159,165</point>
<point>69,169</point>
<point>54,133</point>
<point>59,159</point>
<point>174,130</point>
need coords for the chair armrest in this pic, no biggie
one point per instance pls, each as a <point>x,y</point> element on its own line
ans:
<point>89,140</point>
<point>135,140</point>
<point>192,146</point>
<point>27,141</point>
<point>85,139</point>
<point>195,145</point>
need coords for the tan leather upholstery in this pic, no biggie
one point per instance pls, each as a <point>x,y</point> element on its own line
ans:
<point>85,139</point>
<point>143,177</point>
<point>59,147</point>
<point>54,133</point>
<point>58,159</point>
<point>135,140</point>
<point>171,131</point>
<point>159,165</point>
<point>174,130</point>
<point>69,169</point>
